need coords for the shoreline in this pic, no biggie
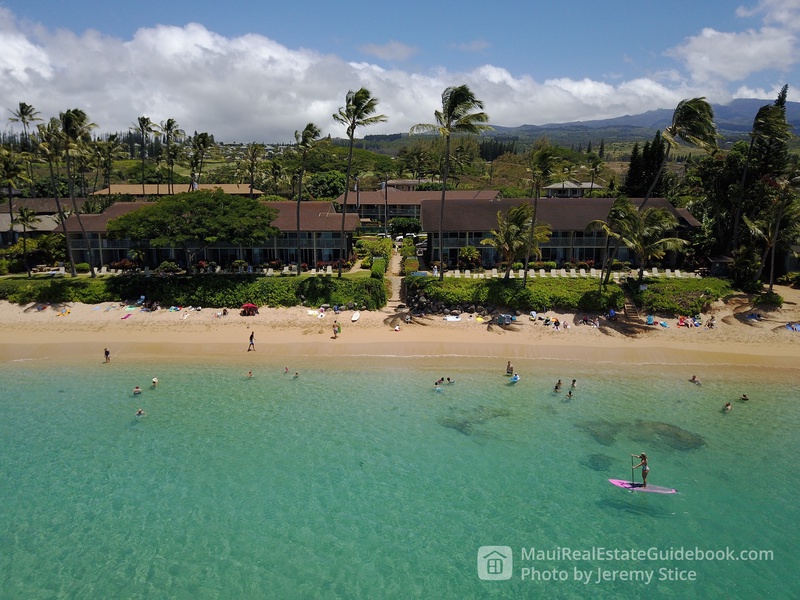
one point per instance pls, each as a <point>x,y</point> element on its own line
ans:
<point>81,334</point>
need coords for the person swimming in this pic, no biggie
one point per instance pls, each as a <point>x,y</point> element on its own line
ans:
<point>727,407</point>
<point>137,390</point>
<point>569,395</point>
<point>514,378</point>
<point>155,382</point>
<point>695,380</point>
<point>745,398</point>
<point>140,413</point>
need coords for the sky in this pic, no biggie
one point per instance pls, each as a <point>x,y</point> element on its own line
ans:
<point>259,70</point>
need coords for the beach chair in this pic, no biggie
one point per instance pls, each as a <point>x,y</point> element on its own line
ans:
<point>448,274</point>
<point>668,273</point>
<point>594,273</point>
<point>583,272</point>
<point>511,275</point>
<point>542,273</point>
<point>654,272</point>
<point>218,270</point>
<point>553,273</point>
<point>494,273</point>
<point>678,274</point>
<point>285,270</point>
<point>573,273</point>
<point>651,320</point>
<point>270,272</point>
<point>147,272</point>
<point>467,274</point>
<point>329,270</point>
<point>616,277</point>
<point>481,276</point>
<point>563,272</point>
<point>103,270</point>
<point>457,274</point>
<point>531,273</point>
<point>522,273</point>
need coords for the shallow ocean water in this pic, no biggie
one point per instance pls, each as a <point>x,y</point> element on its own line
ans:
<point>365,482</point>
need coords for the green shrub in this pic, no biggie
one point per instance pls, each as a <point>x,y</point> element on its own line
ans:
<point>379,268</point>
<point>410,265</point>
<point>792,278</point>
<point>82,267</point>
<point>3,266</point>
<point>681,296</point>
<point>769,298</point>
<point>168,267</point>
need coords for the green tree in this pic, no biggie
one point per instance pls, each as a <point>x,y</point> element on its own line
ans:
<point>511,236</point>
<point>172,134</point>
<point>201,147</point>
<point>307,141</point>
<point>458,115</point>
<point>643,232</point>
<point>51,145</point>
<point>541,164</point>
<point>254,155</point>
<point>193,221</point>
<point>12,173</point>
<point>621,212</point>
<point>25,115</point>
<point>27,219</point>
<point>76,128</point>
<point>692,122</point>
<point>109,151</point>
<point>358,111</point>
<point>144,127</point>
<point>330,184</point>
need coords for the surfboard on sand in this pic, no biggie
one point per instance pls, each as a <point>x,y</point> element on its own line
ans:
<point>355,316</point>
<point>638,487</point>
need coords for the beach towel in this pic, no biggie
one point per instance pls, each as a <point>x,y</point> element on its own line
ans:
<point>664,324</point>
<point>125,317</point>
<point>452,318</point>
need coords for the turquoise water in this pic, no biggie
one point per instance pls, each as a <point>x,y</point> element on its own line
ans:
<point>366,483</point>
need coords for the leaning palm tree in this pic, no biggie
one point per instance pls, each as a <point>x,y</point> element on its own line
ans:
<point>27,219</point>
<point>144,126</point>
<point>644,234</point>
<point>306,140</point>
<point>457,116</point>
<point>254,155</point>
<point>540,166</point>
<point>621,213</point>
<point>51,145</point>
<point>76,128</point>
<point>692,122</point>
<point>172,133</point>
<point>358,111</point>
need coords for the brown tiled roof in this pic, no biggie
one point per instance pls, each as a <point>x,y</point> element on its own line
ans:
<point>153,189</point>
<point>47,223</point>
<point>41,206</point>
<point>314,216</point>
<point>562,214</point>
<point>397,197</point>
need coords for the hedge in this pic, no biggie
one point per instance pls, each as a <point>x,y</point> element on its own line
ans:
<point>681,296</point>
<point>201,290</point>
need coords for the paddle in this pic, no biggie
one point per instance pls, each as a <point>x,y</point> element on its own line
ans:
<point>632,474</point>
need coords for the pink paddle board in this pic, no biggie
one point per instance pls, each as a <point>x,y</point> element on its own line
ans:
<point>637,487</point>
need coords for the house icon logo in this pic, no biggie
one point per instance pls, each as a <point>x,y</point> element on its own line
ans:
<point>495,563</point>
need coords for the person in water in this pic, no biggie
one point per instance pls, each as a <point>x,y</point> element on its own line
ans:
<point>569,395</point>
<point>557,388</point>
<point>140,413</point>
<point>695,380</point>
<point>745,398</point>
<point>137,390</point>
<point>154,383</point>
<point>509,368</point>
<point>645,468</point>
<point>727,407</point>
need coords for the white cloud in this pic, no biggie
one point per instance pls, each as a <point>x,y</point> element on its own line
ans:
<point>781,13</point>
<point>392,51</point>
<point>473,46</point>
<point>251,88</point>
<point>735,56</point>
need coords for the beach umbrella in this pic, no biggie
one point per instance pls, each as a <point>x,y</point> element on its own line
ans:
<point>249,305</point>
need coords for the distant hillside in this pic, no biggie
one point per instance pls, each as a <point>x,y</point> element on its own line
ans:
<point>734,122</point>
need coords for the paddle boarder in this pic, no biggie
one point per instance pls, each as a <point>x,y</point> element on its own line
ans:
<point>645,468</point>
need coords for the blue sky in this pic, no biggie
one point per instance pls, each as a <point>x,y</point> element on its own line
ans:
<point>259,70</point>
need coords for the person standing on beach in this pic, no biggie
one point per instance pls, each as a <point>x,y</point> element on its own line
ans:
<point>107,353</point>
<point>252,345</point>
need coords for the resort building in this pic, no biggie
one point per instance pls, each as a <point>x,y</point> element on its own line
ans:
<point>467,222</point>
<point>572,189</point>
<point>162,189</point>
<point>320,228</point>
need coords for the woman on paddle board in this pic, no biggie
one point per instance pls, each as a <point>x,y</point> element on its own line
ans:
<point>643,464</point>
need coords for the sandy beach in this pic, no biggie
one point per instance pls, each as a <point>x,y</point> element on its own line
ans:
<point>83,331</point>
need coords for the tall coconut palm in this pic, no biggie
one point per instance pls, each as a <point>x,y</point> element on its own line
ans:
<point>358,111</point>
<point>692,122</point>
<point>51,145</point>
<point>76,129</point>
<point>109,151</point>
<point>540,165</point>
<point>254,155</point>
<point>25,115</point>
<point>201,146</point>
<point>144,127</point>
<point>172,133</point>
<point>619,216</point>
<point>307,141</point>
<point>457,116</point>
<point>12,173</point>
<point>27,219</point>
<point>276,173</point>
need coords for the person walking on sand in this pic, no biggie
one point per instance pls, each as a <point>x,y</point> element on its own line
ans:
<point>252,345</point>
<point>107,353</point>
<point>645,468</point>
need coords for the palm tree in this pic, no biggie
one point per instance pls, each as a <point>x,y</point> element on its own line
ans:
<point>109,151</point>
<point>25,114</point>
<point>51,145</point>
<point>457,116</point>
<point>511,235</point>
<point>540,166</point>
<point>276,174</point>
<point>306,140</point>
<point>172,133</point>
<point>595,166</point>
<point>358,111</point>
<point>253,156</point>
<point>76,128</point>
<point>643,233</point>
<point>27,219</point>
<point>143,127</point>
<point>12,172</point>
<point>619,215</point>
<point>693,122</point>
<point>201,145</point>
